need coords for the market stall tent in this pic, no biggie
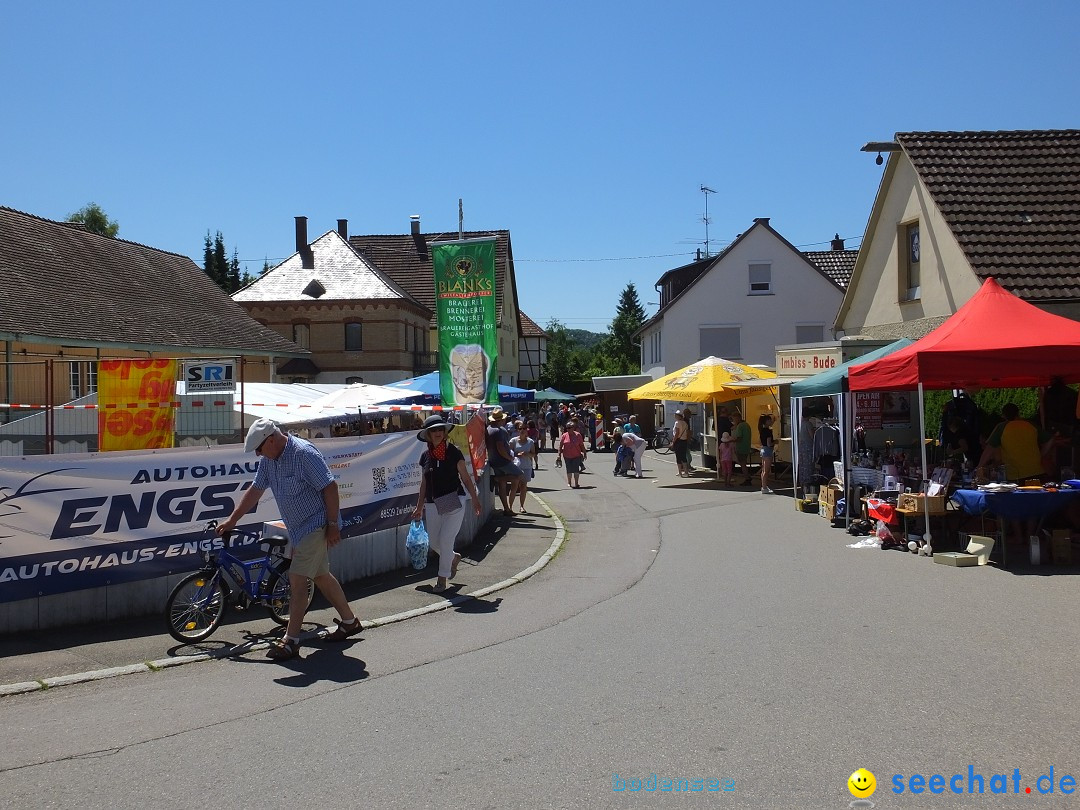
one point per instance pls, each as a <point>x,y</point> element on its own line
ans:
<point>994,340</point>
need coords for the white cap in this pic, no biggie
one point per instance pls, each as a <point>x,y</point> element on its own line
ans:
<point>258,432</point>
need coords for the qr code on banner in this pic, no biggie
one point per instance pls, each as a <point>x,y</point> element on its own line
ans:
<point>378,477</point>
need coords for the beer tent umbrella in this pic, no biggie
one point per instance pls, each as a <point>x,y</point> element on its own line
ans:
<point>994,340</point>
<point>711,379</point>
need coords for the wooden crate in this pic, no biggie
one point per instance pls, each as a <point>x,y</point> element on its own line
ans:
<point>914,502</point>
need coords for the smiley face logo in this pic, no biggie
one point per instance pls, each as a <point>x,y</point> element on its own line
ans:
<point>862,784</point>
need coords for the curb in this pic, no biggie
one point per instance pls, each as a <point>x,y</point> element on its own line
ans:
<point>25,687</point>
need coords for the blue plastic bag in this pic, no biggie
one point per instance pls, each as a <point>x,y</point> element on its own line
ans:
<point>417,545</point>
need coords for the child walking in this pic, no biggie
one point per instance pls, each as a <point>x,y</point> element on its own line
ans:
<point>727,457</point>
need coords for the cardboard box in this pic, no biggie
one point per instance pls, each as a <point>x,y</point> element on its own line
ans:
<point>914,502</point>
<point>830,492</point>
<point>957,559</point>
<point>826,510</point>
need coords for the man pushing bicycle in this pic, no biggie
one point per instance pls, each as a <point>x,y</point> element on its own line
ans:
<point>307,495</point>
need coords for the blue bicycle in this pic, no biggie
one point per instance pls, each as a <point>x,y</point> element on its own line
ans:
<point>197,604</point>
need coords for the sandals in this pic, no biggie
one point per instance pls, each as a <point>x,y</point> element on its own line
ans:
<point>344,630</point>
<point>284,650</point>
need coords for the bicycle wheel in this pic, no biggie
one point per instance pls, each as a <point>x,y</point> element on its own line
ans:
<point>194,608</point>
<point>279,596</point>
<point>662,443</point>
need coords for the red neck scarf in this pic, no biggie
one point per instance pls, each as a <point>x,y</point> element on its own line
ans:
<point>438,451</point>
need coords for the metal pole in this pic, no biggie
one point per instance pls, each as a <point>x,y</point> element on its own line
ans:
<point>922,441</point>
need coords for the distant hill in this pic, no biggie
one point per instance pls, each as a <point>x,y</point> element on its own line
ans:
<point>583,338</point>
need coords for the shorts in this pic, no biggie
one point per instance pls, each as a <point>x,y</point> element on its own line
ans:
<point>309,557</point>
<point>766,452</point>
<point>573,465</point>
<point>507,469</point>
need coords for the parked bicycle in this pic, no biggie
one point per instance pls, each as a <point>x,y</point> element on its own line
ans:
<point>661,440</point>
<point>197,604</point>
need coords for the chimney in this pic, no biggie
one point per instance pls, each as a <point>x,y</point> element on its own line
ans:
<point>343,229</point>
<point>837,243</point>
<point>414,224</point>
<point>307,258</point>
<point>761,220</point>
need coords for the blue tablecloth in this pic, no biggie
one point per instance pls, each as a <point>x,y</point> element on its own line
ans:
<point>1018,505</point>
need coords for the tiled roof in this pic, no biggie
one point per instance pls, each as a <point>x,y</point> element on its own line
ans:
<point>529,327</point>
<point>836,264</point>
<point>407,260</point>
<point>1012,200</point>
<point>340,273</point>
<point>64,282</point>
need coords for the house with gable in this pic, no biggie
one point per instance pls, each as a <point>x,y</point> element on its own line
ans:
<point>406,259</point>
<point>759,292</point>
<point>532,352</point>
<point>72,298</point>
<point>956,208</point>
<point>358,323</point>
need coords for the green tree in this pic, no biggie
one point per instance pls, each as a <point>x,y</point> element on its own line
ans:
<point>96,220</point>
<point>234,274</point>
<point>564,363</point>
<point>623,355</point>
<point>223,271</point>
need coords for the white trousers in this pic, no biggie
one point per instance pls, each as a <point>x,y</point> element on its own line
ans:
<point>638,453</point>
<point>442,531</point>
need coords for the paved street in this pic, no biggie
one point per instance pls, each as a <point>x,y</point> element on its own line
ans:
<point>684,631</point>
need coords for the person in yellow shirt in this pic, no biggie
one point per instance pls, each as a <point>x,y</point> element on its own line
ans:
<point>1017,444</point>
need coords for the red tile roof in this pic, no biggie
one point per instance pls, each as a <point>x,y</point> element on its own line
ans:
<point>1012,200</point>
<point>529,328</point>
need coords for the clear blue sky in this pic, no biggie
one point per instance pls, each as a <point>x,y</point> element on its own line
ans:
<point>585,128</point>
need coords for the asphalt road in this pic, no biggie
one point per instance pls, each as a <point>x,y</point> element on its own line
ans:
<point>717,637</point>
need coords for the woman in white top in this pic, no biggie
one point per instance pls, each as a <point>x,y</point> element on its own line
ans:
<point>524,450</point>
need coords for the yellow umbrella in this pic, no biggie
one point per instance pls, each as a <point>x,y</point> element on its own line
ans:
<point>708,380</point>
<point>711,379</point>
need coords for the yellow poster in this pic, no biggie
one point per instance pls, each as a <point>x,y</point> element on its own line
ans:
<point>135,402</point>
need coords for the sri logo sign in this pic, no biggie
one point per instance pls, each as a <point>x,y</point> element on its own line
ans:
<point>218,376</point>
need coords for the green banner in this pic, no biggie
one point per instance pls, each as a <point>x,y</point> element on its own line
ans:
<point>465,312</point>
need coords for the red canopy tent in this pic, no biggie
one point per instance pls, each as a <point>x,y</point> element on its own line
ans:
<point>994,340</point>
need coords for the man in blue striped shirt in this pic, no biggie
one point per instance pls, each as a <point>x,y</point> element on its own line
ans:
<point>307,495</point>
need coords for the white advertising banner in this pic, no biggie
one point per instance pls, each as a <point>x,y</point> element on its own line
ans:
<point>69,522</point>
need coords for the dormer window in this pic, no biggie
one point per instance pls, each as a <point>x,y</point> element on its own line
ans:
<point>314,288</point>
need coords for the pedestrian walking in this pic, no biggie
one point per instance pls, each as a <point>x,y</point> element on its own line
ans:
<point>572,453</point>
<point>740,433</point>
<point>524,449</point>
<point>441,502</point>
<point>307,495</point>
<point>727,457</point>
<point>765,437</point>
<point>509,479</point>
<point>680,442</point>
<point>636,445</point>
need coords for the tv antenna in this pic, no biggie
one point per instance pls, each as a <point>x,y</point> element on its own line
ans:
<point>707,191</point>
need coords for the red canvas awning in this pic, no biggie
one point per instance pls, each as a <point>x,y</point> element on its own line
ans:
<point>994,340</point>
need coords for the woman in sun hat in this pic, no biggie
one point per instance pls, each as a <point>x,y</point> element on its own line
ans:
<point>441,502</point>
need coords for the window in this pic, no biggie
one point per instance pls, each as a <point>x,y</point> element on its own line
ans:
<point>911,283</point>
<point>809,333</point>
<point>353,380</point>
<point>720,341</point>
<point>74,380</point>
<point>301,335</point>
<point>760,279</point>
<point>354,337</point>
<point>82,378</point>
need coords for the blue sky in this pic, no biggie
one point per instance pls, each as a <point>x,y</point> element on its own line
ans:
<point>585,128</point>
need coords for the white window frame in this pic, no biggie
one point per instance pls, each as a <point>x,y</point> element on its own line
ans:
<point>759,286</point>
